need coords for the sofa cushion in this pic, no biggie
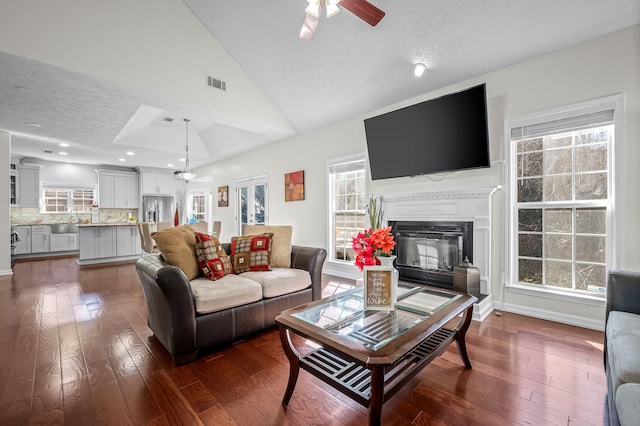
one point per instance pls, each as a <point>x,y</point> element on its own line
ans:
<point>623,347</point>
<point>212,259</point>
<point>628,403</point>
<point>280,281</point>
<point>227,292</point>
<point>251,253</point>
<point>281,252</point>
<point>177,246</point>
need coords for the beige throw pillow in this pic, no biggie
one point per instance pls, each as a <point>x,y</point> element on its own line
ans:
<point>281,251</point>
<point>178,247</point>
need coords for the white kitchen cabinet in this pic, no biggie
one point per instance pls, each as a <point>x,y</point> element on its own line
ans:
<point>127,193</point>
<point>13,186</point>
<point>128,241</point>
<point>157,183</point>
<point>118,190</point>
<point>64,242</point>
<point>40,235</point>
<point>24,245</point>
<point>97,242</point>
<point>28,185</point>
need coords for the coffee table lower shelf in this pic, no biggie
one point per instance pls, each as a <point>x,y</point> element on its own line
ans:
<point>354,379</point>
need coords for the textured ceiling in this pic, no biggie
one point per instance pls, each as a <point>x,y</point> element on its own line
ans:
<point>348,68</point>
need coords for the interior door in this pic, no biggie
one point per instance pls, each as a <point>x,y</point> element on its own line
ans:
<point>252,202</point>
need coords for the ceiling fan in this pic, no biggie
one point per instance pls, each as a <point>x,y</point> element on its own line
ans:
<point>361,8</point>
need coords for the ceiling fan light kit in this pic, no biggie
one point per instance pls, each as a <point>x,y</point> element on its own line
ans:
<point>186,175</point>
<point>361,8</point>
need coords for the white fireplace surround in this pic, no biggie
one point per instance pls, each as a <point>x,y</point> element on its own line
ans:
<point>463,205</point>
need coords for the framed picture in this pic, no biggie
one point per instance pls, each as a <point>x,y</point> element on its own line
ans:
<point>294,186</point>
<point>223,196</point>
<point>379,291</point>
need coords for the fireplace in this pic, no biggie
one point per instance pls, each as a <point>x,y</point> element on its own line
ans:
<point>427,251</point>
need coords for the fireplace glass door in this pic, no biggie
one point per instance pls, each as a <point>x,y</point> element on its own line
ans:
<point>433,251</point>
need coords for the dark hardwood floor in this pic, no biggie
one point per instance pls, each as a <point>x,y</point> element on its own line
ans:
<point>75,350</point>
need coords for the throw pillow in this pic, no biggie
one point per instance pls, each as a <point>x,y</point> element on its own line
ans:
<point>177,246</point>
<point>212,259</point>
<point>251,253</point>
<point>281,252</point>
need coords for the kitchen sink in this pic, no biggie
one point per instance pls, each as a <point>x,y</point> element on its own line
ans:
<point>64,228</point>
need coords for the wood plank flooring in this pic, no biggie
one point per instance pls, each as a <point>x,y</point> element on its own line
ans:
<point>75,350</point>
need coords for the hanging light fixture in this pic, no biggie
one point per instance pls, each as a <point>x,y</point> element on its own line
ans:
<point>186,174</point>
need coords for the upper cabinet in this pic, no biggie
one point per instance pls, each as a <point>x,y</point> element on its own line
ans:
<point>118,190</point>
<point>13,198</point>
<point>28,185</point>
<point>156,182</point>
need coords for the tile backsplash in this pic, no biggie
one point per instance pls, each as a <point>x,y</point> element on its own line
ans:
<point>33,216</point>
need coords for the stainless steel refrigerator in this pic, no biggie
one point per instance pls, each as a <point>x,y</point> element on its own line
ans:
<point>157,209</point>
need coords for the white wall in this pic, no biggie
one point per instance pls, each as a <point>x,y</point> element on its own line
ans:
<point>5,212</point>
<point>597,68</point>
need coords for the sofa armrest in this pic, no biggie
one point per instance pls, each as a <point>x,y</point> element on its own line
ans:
<point>310,259</point>
<point>623,291</point>
<point>170,305</point>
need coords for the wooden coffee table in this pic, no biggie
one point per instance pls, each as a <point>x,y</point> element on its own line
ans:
<point>369,355</point>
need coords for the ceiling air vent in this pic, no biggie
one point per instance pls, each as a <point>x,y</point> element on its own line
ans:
<point>47,151</point>
<point>215,83</point>
<point>168,119</point>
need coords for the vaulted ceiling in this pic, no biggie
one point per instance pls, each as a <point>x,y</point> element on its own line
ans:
<point>106,78</point>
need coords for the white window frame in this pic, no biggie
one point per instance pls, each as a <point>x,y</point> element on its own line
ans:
<point>615,234</point>
<point>199,192</point>
<point>250,184</point>
<point>331,165</point>
<point>69,188</point>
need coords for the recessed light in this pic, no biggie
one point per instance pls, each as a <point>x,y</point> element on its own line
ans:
<point>130,153</point>
<point>63,153</point>
<point>64,145</point>
<point>182,160</point>
<point>36,125</point>
<point>169,165</point>
<point>418,69</point>
<point>121,159</point>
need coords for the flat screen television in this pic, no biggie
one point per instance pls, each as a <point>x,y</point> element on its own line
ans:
<point>439,135</point>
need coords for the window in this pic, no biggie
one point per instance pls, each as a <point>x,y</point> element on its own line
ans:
<point>253,202</point>
<point>347,203</point>
<point>562,200</point>
<point>198,205</point>
<point>58,199</point>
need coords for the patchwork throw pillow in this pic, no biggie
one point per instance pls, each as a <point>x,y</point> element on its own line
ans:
<point>177,246</point>
<point>251,253</point>
<point>212,259</point>
<point>281,251</point>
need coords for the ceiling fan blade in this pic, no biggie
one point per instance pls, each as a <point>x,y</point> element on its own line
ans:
<point>309,26</point>
<point>363,10</point>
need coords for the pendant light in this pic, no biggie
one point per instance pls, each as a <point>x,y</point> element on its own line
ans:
<point>186,174</point>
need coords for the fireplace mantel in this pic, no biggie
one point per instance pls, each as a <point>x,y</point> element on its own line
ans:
<point>472,205</point>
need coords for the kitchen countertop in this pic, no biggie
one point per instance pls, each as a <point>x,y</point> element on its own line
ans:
<point>85,225</point>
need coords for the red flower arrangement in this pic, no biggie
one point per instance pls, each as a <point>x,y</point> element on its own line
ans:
<point>370,244</point>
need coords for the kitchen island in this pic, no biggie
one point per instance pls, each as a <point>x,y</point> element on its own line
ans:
<point>108,242</point>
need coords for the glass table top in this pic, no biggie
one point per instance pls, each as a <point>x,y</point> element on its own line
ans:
<point>345,315</point>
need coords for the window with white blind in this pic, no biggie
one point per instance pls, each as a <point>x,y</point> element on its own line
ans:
<point>65,198</point>
<point>561,198</point>
<point>347,203</point>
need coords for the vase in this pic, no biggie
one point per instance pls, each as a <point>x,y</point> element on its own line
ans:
<point>388,261</point>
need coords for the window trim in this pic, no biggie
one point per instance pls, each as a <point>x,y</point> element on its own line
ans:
<point>67,187</point>
<point>199,192</point>
<point>615,234</point>
<point>331,200</point>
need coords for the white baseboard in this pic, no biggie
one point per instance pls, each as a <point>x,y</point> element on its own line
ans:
<point>6,272</point>
<point>483,308</point>
<point>553,316</point>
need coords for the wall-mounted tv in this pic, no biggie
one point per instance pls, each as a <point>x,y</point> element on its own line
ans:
<point>439,135</point>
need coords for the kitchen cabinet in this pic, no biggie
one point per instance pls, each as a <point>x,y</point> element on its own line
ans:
<point>128,241</point>
<point>40,235</point>
<point>156,183</point>
<point>24,245</point>
<point>28,185</point>
<point>118,190</point>
<point>63,242</point>
<point>97,242</point>
<point>13,199</point>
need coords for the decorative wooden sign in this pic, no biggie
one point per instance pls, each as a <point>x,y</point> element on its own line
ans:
<point>379,291</point>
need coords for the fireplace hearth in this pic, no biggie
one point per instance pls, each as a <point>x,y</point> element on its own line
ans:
<point>427,251</point>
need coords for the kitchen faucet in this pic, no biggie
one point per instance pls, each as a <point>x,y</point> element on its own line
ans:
<point>73,216</point>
